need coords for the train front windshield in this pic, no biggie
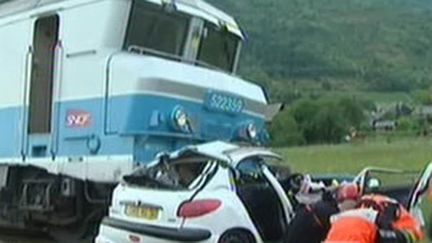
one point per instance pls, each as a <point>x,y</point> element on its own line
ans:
<point>154,30</point>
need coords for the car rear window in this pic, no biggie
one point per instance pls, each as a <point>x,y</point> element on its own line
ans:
<point>180,175</point>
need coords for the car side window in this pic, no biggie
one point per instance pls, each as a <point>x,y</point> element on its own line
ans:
<point>250,172</point>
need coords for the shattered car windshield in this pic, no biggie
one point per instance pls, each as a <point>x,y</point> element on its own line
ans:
<point>173,175</point>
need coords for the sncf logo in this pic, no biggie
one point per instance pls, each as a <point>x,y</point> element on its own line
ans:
<point>78,119</point>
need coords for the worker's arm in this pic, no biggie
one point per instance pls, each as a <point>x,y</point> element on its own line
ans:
<point>388,233</point>
<point>395,236</point>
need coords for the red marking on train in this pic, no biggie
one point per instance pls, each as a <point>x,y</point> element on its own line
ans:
<point>134,238</point>
<point>78,119</point>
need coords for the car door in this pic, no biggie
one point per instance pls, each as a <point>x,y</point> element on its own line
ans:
<point>254,187</point>
<point>416,197</point>
<point>397,184</point>
<point>420,201</point>
<point>274,169</point>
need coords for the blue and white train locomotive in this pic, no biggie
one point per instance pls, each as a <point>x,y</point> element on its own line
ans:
<point>89,89</point>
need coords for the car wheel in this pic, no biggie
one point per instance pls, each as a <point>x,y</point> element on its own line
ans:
<point>237,236</point>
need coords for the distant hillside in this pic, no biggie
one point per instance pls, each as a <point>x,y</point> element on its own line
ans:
<point>335,45</point>
<point>380,45</point>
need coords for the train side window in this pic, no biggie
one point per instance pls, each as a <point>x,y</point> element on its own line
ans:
<point>218,47</point>
<point>42,74</point>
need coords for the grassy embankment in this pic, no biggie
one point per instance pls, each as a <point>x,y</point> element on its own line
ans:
<point>404,153</point>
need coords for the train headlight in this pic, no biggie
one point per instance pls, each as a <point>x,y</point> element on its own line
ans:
<point>180,119</point>
<point>251,131</point>
<point>248,132</point>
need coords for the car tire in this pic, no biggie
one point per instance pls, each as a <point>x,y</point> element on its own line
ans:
<point>237,236</point>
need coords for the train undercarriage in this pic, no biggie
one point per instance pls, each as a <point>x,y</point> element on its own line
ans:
<point>33,200</point>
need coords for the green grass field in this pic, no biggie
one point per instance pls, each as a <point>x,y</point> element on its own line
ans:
<point>403,153</point>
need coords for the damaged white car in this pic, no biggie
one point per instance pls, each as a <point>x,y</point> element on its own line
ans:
<point>215,192</point>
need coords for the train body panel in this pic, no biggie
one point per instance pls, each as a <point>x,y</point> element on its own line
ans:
<point>105,100</point>
<point>91,89</point>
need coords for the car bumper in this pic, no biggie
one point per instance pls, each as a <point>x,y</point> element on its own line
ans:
<point>115,230</point>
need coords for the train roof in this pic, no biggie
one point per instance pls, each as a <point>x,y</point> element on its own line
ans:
<point>198,8</point>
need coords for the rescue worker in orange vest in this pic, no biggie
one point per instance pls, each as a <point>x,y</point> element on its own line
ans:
<point>376,219</point>
<point>351,225</point>
<point>395,224</point>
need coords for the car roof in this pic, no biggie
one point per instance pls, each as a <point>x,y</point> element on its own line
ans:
<point>227,152</point>
<point>244,152</point>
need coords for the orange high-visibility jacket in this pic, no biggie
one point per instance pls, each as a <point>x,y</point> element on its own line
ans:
<point>405,222</point>
<point>353,226</point>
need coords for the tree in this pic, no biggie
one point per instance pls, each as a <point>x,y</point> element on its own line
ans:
<point>424,96</point>
<point>328,125</point>
<point>352,110</point>
<point>327,121</point>
<point>285,131</point>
